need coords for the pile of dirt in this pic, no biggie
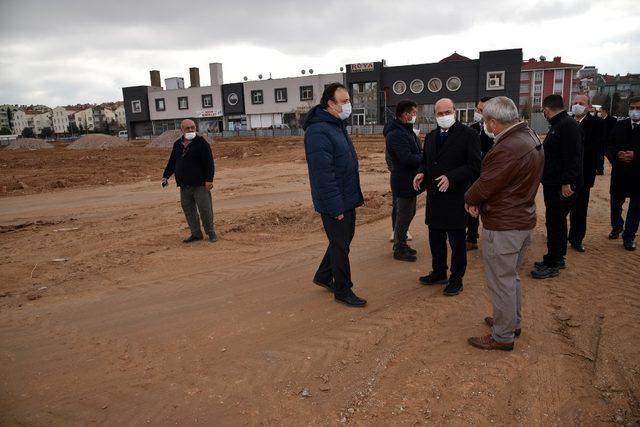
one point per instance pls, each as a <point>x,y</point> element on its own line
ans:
<point>29,144</point>
<point>98,141</point>
<point>165,140</point>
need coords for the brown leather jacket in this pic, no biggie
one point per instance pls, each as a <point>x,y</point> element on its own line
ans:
<point>509,180</point>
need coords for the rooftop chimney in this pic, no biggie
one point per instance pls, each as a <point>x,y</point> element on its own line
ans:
<point>155,78</point>
<point>556,59</point>
<point>194,76</point>
<point>215,71</point>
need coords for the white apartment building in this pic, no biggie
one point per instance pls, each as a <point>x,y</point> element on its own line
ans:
<point>275,102</point>
<point>84,119</point>
<point>121,117</point>
<point>21,120</point>
<point>41,121</point>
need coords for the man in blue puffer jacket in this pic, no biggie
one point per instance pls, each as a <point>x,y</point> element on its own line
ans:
<point>335,188</point>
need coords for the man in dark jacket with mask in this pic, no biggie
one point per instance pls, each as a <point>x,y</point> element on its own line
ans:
<point>405,154</point>
<point>450,164</point>
<point>192,163</point>
<point>561,178</point>
<point>624,154</point>
<point>335,188</point>
<point>594,139</point>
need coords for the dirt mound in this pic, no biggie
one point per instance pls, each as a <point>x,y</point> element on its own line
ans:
<point>29,144</point>
<point>98,141</point>
<point>165,140</point>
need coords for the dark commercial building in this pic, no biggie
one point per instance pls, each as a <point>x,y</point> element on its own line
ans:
<point>136,108</point>
<point>376,88</point>
<point>233,104</point>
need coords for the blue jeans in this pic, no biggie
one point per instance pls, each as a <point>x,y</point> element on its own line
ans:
<point>633,216</point>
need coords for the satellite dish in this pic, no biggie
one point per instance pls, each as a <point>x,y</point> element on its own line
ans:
<point>245,78</point>
<point>260,76</point>
<point>543,58</point>
<point>310,70</point>
<point>341,69</point>
<point>303,71</point>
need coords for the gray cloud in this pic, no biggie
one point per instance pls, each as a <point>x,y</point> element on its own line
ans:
<point>76,51</point>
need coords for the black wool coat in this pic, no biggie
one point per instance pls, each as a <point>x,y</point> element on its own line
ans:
<point>459,160</point>
<point>625,177</point>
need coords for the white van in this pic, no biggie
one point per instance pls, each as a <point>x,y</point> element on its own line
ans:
<point>123,134</point>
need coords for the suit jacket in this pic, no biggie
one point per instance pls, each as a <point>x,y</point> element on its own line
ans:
<point>625,177</point>
<point>459,160</point>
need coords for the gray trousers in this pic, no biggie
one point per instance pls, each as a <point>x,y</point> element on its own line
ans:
<point>503,253</point>
<point>405,211</point>
<point>194,200</point>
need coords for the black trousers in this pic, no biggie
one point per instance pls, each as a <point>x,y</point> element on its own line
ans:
<point>557,210</point>
<point>335,267</point>
<point>578,215</point>
<point>405,211</point>
<point>438,246</point>
<point>473,224</point>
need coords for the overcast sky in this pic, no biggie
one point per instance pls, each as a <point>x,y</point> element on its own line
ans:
<point>59,52</point>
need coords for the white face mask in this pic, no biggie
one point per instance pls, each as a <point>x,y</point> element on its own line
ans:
<point>412,120</point>
<point>190,135</point>
<point>489,134</point>
<point>578,110</point>
<point>634,115</point>
<point>346,111</point>
<point>477,117</point>
<point>445,122</point>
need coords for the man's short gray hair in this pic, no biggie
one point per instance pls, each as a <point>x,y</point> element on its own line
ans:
<point>502,110</point>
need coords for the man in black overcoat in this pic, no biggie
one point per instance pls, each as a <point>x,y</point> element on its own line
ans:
<point>450,164</point>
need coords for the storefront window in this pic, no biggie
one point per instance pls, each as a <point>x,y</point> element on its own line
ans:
<point>365,103</point>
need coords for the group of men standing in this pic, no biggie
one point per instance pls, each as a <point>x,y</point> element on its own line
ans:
<point>490,171</point>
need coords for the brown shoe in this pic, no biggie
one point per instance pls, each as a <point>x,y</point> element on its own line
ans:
<point>472,246</point>
<point>488,343</point>
<point>489,322</point>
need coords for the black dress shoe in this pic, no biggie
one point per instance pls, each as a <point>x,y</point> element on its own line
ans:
<point>411,250</point>
<point>192,239</point>
<point>403,254</point>
<point>630,245</point>
<point>213,237</point>
<point>434,279</point>
<point>453,288</point>
<point>327,286</point>
<point>545,272</point>
<point>578,246</point>
<point>540,264</point>
<point>615,233</point>
<point>351,299</point>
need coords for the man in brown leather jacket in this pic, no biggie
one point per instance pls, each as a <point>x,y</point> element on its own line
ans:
<point>504,196</point>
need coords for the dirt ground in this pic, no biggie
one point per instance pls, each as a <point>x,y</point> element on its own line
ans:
<point>107,318</point>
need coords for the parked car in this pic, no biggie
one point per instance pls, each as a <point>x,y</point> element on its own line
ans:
<point>123,134</point>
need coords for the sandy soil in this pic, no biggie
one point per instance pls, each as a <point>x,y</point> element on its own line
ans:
<point>107,318</point>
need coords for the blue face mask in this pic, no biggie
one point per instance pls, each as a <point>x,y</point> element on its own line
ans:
<point>634,115</point>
